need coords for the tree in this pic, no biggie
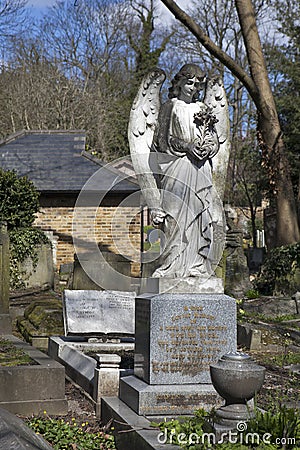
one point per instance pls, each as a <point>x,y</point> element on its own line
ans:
<point>12,15</point>
<point>250,181</point>
<point>69,76</point>
<point>144,39</point>
<point>269,129</point>
<point>284,66</point>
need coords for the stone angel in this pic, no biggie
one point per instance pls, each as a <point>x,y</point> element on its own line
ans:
<point>178,149</point>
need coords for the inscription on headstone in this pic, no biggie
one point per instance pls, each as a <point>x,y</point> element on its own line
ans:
<point>187,333</point>
<point>92,312</point>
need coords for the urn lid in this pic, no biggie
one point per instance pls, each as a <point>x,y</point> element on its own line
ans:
<point>236,357</point>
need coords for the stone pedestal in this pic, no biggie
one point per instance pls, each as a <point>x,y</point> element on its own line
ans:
<point>178,336</point>
<point>193,285</point>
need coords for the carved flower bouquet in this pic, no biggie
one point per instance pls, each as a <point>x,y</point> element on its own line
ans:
<point>206,144</point>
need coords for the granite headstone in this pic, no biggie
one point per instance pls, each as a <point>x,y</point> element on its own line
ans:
<point>178,336</point>
<point>187,333</point>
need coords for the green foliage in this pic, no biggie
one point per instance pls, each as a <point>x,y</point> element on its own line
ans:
<point>252,293</point>
<point>67,436</point>
<point>240,311</point>
<point>181,429</point>
<point>283,425</point>
<point>280,265</point>
<point>284,359</point>
<point>19,200</point>
<point>24,243</point>
<point>274,429</point>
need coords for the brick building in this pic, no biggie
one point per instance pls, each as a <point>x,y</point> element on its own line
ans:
<point>78,194</point>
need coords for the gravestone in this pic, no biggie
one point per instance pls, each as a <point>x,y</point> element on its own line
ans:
<point>190,322</point>
<point>178,336</point>
<point>5,320</point>
<point>94,313</point>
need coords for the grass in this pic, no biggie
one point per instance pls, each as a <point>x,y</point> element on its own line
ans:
<point>11,356</point>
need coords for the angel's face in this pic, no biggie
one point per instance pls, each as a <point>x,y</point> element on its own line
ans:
<point>188,88</point>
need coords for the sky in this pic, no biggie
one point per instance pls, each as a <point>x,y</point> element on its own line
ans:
<point>40,6</point>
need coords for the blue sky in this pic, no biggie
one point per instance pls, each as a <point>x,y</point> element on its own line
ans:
<point>39,6</point>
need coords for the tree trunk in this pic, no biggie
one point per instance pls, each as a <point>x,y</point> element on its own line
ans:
<point>259,88</point>
<point>269,130</point>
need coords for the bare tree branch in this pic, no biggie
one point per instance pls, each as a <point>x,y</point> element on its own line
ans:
<point>223,57</point>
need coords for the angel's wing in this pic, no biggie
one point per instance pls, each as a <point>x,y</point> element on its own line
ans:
<point>215,97</point>
<point>141,128</point>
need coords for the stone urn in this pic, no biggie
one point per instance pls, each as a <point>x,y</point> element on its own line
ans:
<point>237,378</point>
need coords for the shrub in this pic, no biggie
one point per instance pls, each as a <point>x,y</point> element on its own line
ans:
<point>19,200</point>
<point>278,269</point>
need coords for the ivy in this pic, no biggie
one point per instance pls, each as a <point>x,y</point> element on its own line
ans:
<point>24,243</point>
<point>19,200</point>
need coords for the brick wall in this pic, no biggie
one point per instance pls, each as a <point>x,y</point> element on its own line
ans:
<point>116,229</point>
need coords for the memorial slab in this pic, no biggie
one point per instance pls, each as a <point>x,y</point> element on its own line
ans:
<point>94,313</point>
<point>164,399</point>
<point>187,333</point>
<point>178,336</point>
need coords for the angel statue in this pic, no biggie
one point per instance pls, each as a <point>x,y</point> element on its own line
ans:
<point>174,149</point>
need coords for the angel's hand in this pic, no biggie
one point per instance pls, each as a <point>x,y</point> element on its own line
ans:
<point>197,150</point>
<point>157,216</point>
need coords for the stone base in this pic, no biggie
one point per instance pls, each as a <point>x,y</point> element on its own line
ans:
<point>231,415</point>
<point>34,388</point>
<point>132,431</point>
<point>164,399</point>
<point>53,407</point>
<point>190,285</point>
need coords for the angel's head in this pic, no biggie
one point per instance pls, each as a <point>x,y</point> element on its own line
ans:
<point>187,83</point>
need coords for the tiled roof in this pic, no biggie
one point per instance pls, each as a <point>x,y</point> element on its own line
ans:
<point>54,162</point>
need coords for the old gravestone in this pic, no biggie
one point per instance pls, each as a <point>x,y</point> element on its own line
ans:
<point>177,337</point>
<point>92,313</point>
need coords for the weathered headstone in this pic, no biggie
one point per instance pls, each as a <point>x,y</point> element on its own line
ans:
<point>93,313</point>
<point>186,340</point>
<point>5,321</point>
<point>178,336</point>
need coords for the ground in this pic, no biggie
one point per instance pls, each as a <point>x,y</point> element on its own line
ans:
<point>280,386</point>
<point>80,407</point>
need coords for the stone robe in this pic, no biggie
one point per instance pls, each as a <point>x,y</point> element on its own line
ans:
<point>184,151</point>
